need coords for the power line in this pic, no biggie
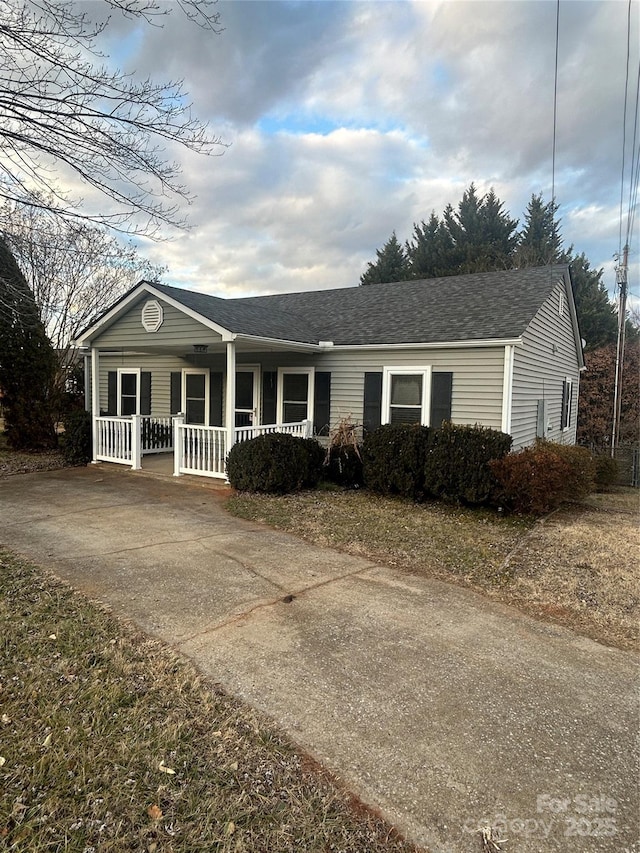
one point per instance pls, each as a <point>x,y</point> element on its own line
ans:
<point>555,113</point>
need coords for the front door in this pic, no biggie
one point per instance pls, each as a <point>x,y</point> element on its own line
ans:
<point>195,400</point>
<point>246,396</point>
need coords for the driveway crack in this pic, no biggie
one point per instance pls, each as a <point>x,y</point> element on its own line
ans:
<point>287,598</point>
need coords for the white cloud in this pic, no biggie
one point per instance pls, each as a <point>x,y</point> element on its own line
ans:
<point>350,120</point>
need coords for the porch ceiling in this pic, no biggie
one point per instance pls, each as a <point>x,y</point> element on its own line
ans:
<point>183,350</point>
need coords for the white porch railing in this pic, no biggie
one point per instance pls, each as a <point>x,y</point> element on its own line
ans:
<point>196,449</point>
<point>203,450</point>
<point>303,429</point>
<point>117,441</point>
<point>125,440</point>
<point>199,450</point>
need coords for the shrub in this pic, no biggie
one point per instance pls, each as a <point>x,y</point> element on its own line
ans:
<point>343,465</point>
<point>456,466</point>
<point>315,461</point>
<point>582,469</point>
<point>607,471</point>
<point>538,479</point>
<point>276,462</point>
<point>393,460</point>
<point>77,439</point>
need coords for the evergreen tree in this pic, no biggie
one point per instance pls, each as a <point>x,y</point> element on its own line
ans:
<point>430,249</point>
<point>539,241</point>
<point>27,363</point>
<point>391,264</point>
<point>596,315</point>
<point>483,235</point>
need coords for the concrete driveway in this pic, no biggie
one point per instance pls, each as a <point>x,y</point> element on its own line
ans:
<point>443,709</point>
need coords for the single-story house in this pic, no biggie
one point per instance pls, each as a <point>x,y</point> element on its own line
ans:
<point>500,349</point>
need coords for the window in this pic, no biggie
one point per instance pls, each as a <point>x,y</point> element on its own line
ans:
<point>561,303</point>
<point>405,395</point>
<point>128,392</point>
<point>295,394</point>
<point>567,394</point>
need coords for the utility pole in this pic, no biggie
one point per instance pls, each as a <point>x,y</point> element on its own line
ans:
<point>621,276</point>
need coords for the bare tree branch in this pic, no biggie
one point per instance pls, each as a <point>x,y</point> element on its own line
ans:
<point>75,269</point>
<point>59,107</point>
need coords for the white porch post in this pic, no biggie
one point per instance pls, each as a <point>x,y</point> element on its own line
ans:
<point>136,442</point>
<point>231,395</point>
<point>95,399</point>
<point>177,444</point>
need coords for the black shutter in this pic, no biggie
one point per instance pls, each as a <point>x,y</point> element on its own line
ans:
<point>145,392</point>
<point>441,384</point>
<point>322,403</point>
<point>176,392</point>
<point>565,413</point>
<point>215,399</point>
<point>372,401</point>
<point>112,393</point>
<point>269,396</point>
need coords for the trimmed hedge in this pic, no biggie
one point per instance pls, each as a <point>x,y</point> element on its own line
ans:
<point>451,463</point>
<point>393,460</point>
<point>538,479</point>
<point>456,465</point>
<point>77,440</point>
<point>276,463</point>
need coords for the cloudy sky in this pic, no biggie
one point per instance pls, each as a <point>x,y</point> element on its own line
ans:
<point>348,120</point>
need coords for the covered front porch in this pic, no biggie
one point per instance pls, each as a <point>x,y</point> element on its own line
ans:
<point>182,375</point>
<point>193,448</point>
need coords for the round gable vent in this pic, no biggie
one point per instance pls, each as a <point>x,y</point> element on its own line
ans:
<point>152,315</point>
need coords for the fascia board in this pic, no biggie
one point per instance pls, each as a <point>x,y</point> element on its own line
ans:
<point>491,342</point>
<point>568,287</point>
<point>121,307</point>
<point>280,342</point>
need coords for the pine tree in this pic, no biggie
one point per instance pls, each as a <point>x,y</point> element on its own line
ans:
<point>483,235</point>
<point>27,363</point>
<point>596,315</point>
<point>390,266</point>
<point>539,241</point>
<point>429,250</point>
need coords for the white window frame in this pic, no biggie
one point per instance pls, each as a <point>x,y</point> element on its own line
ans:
<point>565,415</point>
<point>196,371</point>
<point>310,373</point>
<point>125,371</point>
<point>389,372</point>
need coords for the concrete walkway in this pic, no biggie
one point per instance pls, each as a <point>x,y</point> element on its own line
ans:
<point>443,709</point>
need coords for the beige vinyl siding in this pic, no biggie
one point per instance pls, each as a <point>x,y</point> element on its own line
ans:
<point>547,356</point>
<point>177,329</point>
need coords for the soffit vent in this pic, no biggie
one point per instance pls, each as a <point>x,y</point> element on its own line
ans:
<point>152,315</point>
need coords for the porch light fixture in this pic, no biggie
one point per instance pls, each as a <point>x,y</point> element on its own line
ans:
<point>200,347</point>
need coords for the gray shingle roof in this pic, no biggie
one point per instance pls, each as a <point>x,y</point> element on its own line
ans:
<point>480,306</point>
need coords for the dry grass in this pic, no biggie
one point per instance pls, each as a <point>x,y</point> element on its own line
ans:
<point>111,742</point>
<point>579,567</point>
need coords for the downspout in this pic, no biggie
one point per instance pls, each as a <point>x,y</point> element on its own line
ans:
<point>507,388</point>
